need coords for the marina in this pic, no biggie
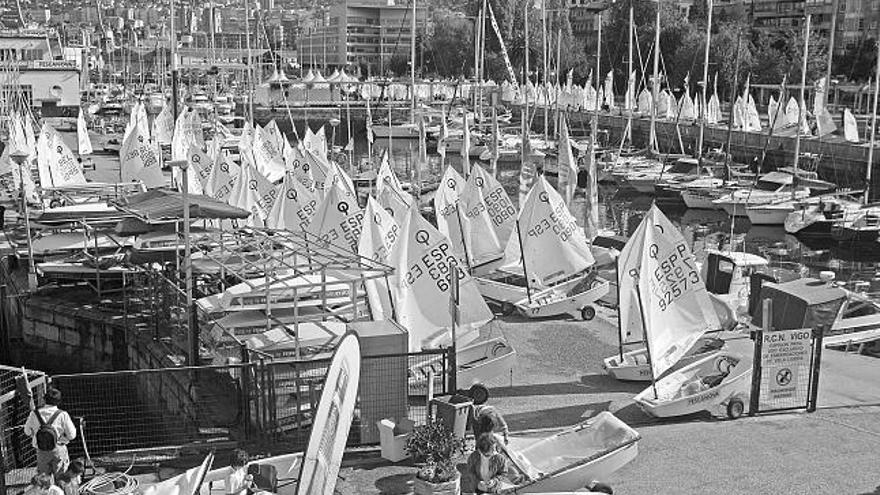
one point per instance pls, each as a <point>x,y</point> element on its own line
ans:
<point>234,264</point>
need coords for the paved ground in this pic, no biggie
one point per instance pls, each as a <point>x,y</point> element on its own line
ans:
<point>559,382</point>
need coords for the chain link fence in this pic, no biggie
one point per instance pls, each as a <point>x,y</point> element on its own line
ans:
<point>17,454</point>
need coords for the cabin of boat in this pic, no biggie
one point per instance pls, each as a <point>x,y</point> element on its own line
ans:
<point>848,317</point>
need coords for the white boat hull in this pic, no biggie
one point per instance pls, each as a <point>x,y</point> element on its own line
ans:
<point>670,405</point>
<point>483,361</point>
<point>576,305</point>
<point>635,367</point>
<point>581,476</point>
<point>698,199</point>
<point>770,215</point>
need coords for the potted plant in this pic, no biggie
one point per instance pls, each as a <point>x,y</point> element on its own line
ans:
<point>435,446</point>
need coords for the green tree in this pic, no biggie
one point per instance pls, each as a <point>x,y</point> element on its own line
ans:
<point>858,62</point>
<point>449,51</point>
<point>723,54</point>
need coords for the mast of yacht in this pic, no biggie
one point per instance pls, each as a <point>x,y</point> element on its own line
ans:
<point>174,72</point>
<point>594,123</point>
<point>544,52</point>
<point>797,142</point>
<point>703,114</point>
<point>873,128</point>
<point>655,89</point>
<point>250,61</point>
<point>412,66</point>
<point>627,134</point>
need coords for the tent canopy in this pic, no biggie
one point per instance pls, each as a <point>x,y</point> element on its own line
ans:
<point>162,205</point>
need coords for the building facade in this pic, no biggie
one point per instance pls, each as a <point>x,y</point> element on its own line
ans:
<point>48,83</point>
<point>360,33</point>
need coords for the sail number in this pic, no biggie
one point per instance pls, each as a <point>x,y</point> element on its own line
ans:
<point>351,229</point>
<point>500,207</point>
<point>436,264</point>
<point>674,275</point>
<point>556,224</point>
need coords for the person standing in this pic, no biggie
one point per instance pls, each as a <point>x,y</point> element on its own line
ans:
<point>487,419</point>
<point>51,429</point>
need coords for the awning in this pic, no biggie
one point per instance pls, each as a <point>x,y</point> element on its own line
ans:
<point>163,205</point>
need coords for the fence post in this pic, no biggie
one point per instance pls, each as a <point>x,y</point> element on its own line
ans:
<point>758,337</point>
<point>430,395</point>
<point>245,390</point>
<point>6,338</point>
<point>452,371</point>
<point>818,337</point>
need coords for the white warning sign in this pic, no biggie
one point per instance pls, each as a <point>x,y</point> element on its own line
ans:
<point>785,363</point>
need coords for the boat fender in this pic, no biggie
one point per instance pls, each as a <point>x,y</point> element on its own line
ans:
<point>723,364</point>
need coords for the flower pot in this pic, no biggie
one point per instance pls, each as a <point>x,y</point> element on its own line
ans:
<point>452,487</point>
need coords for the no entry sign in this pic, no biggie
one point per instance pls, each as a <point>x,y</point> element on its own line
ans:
<point>785,363</point>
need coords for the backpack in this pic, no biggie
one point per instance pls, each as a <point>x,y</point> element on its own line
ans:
<point>47,436</point>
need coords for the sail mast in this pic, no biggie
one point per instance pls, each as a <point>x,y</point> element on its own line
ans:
<point>412,66</point>
<point>797,142</point>
<point>174,72</point>
<point>873,129</point>
<point>545,50</point>
<point>703,107</point>
<point>627,135</point>
<point>250,60</point>
<point>655,90</point>
<point>728,155</point>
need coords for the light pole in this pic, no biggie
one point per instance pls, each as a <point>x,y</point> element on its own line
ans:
<point>19,158</point>
<point>192,330</point>
<point>334,123</point>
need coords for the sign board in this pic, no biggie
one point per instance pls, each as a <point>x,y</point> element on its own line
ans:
<point>785,368</point>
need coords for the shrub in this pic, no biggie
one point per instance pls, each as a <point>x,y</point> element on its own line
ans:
<point>436,446</point>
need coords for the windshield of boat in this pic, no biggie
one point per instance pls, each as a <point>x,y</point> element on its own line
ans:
<point>766,186</point>
<point>683,168</point>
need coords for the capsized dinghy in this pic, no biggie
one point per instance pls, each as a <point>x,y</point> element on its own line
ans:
<point>571,459</point>
<point>721,380</point>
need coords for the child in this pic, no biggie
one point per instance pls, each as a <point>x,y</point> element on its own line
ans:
<point>41,484</point>
<point>488,468</point>
<point>238,482</point>
<point>70,480</point>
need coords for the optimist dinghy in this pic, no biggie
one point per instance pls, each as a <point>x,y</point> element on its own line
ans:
<point>547,262</point>
<point>571,459</point>
<point>721,380</point>
<point>669,307</point>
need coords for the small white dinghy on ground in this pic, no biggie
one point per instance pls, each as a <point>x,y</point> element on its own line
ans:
<point>548,262</point>
<point>721,381</point>
<point>668,308</point>
<point>571,459</point>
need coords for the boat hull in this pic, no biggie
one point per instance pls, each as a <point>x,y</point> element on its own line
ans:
<point>581,476</point>
<point>698,200</point>
<point>759,215</point>
<point>669,405</point>
<point>635,367</point>
<point>575,305</point>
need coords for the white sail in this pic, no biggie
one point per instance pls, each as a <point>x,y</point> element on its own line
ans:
<point>386,178</point>
<point>273,133</point>
<point>553,246</point>
<point>465,146</point>
<point>850,127</point>
<point>449,218</point>
<point>138,118</point>
<point>686,110</point>
<point>609,90</point>
<point>338,219</point>
<point>254,193</point>
<point>316,142</point>
<point>246,144</point>
<point>84,144</point>
<point>675,305</point>
<point>296,162</point>
<point>422,259</point>
<point>824,122</point>
<point>500,207</point>
<point>481,240</point>
<point>629,98</point>
<point>224,175</point>
<point>163,125</point>
<point>56,157</point>
<point>754,120</point>
<point>776,116</point>
<point>294,207</point>
<point>378,235</point>
<point>139,160</point>
<point>566,165</point>
<point>199,170</point>
<point>645,99</point>
<point>267,154</point>
<point>791,111</point>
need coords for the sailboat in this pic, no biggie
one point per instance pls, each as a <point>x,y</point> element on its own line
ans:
<point>547,262</point>
<point>670,309</point>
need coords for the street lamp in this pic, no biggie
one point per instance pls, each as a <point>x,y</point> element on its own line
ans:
<point>19,158</point>
<point>192,330</point>
<point>334,122</point>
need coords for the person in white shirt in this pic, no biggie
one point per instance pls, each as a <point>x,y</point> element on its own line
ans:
<point>41,484</point>
<point>238,482</point>
<point>52,461</point>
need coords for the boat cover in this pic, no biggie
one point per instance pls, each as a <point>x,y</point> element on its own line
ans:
<point>162,205</point>
<point>801,303</point>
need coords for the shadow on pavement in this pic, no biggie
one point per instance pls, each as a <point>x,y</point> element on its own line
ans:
<point>633,415</point>
<point>875,492</point>
<point>561,388</point>
<point>558,417</point>
<point>607,383</point>
<point>396,484</point>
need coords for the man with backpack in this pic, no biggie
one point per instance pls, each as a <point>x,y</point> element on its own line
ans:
<point>51,429</point>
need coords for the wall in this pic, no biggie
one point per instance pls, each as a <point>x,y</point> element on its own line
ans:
<point>42,82</point>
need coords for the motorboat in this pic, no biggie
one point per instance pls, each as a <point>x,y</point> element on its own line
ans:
<point>817,218</point>
<point>572,458</point>
<point>771,187</point>
<point>849,317</point>
<point>701,193</point>
<point>860,225</point>
<point>716,382</point>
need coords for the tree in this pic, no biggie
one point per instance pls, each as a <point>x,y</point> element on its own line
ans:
<point>723,55</point>
<point>448,51</point>
<point>858,62</point>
